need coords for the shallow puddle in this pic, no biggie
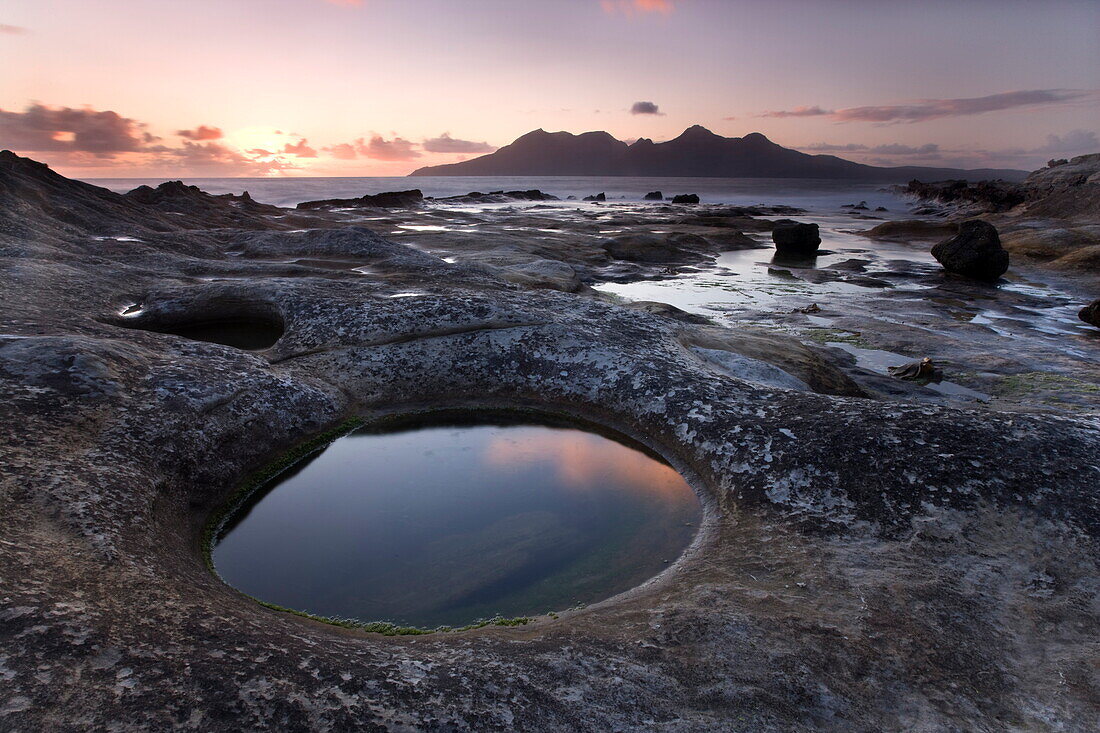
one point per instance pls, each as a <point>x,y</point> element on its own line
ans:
<point>444,524</point>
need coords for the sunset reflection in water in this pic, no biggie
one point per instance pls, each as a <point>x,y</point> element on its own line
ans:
<point>588,462</point>
<point>447,523</point>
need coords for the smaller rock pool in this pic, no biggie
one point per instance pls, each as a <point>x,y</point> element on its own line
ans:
<point>451,521</point>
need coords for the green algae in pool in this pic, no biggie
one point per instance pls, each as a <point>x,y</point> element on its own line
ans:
<point>445,524</point>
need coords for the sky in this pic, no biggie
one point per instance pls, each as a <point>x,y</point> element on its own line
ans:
<point>196,88</point>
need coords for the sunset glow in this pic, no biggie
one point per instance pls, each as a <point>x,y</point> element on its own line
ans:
<point>380,87</point>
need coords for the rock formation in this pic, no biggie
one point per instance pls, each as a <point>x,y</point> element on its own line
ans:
<point>975,252</point>
<point>386,200</point>
<point>796,239</point>
<point>863,563</point>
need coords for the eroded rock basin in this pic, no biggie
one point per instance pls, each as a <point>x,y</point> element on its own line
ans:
<point>453,519</point>
<point>867,563</point>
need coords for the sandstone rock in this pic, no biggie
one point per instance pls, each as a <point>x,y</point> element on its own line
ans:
<point>669,311</point>
<point>975,251</point>
<point>121,444</point>
<point>596,197</point>
<point>911,229</point>
<point>686,198</point>
<point>657,248</point>
<point>544,274</point>
<point>654,196</point>
<point>796,239</point>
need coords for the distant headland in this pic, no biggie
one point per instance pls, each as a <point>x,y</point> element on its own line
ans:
<point>697,152</point>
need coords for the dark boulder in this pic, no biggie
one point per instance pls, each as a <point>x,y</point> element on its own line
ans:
<point>597,197</point>
<point>974,252</point>
<point>796,238</point>
<point>686,198</point>
<point>654,196</point>
<point>1090,314</point>
<point>386,200</point>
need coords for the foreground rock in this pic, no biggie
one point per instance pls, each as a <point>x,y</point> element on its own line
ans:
<point>974,252</point>
<point>863,564</point>
<point>387,200</point>
<point>796,239</point>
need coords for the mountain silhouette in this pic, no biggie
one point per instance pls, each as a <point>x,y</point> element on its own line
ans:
<point>697,152</point>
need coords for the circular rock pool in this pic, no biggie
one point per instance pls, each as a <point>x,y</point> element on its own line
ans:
<point>447,522</point>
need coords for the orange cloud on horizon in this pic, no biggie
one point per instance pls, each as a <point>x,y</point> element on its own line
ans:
<point>630,7</point>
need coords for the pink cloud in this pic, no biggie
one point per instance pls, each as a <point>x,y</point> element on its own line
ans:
<point>343,151</point>
<point>13,30</point>
<point>300,149</point>
<point>202,132</point>
<point>447,144</point>
<point>42,128</point>
<point>814,111</point>
<point>930,109</point>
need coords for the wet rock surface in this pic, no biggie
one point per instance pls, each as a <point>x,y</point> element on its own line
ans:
<point>866,562</point>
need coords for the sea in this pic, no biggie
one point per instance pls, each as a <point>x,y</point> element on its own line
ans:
<point>810,194</point>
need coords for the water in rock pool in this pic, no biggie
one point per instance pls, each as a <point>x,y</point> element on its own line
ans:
<point>445,524</point>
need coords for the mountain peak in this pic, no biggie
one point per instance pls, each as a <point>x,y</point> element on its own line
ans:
<point>757,138</point>
<point>697,132</point>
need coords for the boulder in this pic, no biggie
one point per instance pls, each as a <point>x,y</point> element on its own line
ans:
<point>596,197</point>
<point>796,238</point>
<point>974,252</point>
<point>686,198</point>
<point>1090,314</point>
<point>654,196</point>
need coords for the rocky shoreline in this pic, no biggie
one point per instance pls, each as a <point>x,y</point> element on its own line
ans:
<point>1052,217</point>
<point>869,560</point>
